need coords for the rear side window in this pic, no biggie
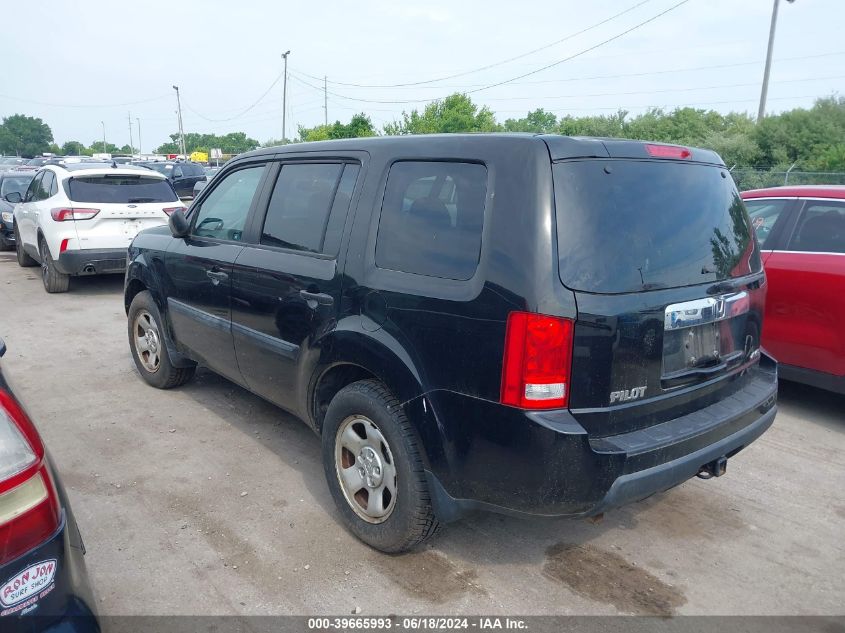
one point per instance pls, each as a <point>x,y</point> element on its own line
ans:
<point>431,219</point>
<point>764,215</point>
<point>821,228</point>
<point>120,189</point>
<point>629,225</point>
<point>299,207</point>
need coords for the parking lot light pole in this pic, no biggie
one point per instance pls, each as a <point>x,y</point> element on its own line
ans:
<point>181,131</point>
<point>103,123</point>
<point>139,137</point>
<point>284,95</point>
<point>761,112</point>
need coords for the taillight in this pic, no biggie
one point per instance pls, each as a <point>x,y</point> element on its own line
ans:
<point>537,361</point>
<point>667,151</point>
<point>63,214</point>
<point>29,508</point>
<point>172,210</point>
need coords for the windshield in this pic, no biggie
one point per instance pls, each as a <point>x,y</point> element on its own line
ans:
<point>15,183</point>
<point>626,226</point>
<point>120,189</point>
<point>37,162</point>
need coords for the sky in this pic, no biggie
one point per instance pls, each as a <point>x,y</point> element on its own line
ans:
<point>80,66</point>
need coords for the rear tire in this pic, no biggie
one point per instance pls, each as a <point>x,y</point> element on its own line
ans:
<point>24,260</point>
<point>374,469</point>
<point>147,344</point>
<point>54,281</point>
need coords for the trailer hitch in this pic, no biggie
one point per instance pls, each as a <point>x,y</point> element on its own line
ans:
<point>716,468</point>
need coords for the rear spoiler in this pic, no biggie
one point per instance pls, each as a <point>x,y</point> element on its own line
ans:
<point>568,147</point>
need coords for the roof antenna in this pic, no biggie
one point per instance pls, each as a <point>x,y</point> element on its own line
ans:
<point>114,164</point>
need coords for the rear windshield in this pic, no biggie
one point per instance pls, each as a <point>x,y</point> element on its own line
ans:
<point>120,189</point>
<point>628,226</point>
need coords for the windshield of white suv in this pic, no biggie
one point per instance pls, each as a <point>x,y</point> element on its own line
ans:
<point>120,189</point>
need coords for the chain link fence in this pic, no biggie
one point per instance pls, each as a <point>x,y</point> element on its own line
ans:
<point>758,179</point>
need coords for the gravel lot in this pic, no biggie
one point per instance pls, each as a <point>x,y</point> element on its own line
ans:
<point>208,500</point>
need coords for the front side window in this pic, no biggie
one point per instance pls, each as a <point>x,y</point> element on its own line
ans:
<point>821,228</point>
<point>224,211</point>
<point>34,188</point>
<point>431,219</point>
<point>299,206</point>
<point>764,214</point>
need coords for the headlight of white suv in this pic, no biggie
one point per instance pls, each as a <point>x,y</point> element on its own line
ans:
<point>7,216</point>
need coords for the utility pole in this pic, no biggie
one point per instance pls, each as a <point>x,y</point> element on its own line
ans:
<point>761,111</point>
<point>140,150</point>
<point>181,131</point>
<point>285,95</point>
<point>326,99</point>
<point>103,123</point>
<point>131,143</point>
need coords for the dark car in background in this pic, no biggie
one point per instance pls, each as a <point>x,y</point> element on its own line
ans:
<point>801,231</point>
<point>183,175</point>
<point>533,325</point>
<point>11,181</point>
<point>43,580</point>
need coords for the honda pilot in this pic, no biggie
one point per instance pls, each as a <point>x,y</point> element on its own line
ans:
<point>533,325</point>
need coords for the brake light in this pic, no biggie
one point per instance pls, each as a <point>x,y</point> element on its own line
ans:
<point>537,361</point>
<point>172,210</point>
<point>29,508</point>
<point>668,151</point>
<point>73,213</point>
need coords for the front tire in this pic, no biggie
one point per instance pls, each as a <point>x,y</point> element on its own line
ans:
<point>24,260</point>
<point>374,469</point>
<point>149,351</point>
<point>54,281</point>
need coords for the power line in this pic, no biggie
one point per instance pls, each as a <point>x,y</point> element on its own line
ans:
<point>244,111</point>
<point>507,81</point>
<point>489,66</point>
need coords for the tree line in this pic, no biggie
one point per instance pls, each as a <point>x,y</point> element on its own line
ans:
<point>811,140</point>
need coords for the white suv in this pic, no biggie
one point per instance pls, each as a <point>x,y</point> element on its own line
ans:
<point>79,219</point>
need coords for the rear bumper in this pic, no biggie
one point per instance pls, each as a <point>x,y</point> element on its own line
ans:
<point>504,460</point>
<point>92,262</point>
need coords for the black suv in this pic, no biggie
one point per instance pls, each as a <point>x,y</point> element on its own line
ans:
<point>526,324</point>
<point>183,175</point>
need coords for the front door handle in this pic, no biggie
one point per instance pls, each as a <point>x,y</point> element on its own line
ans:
<point>319,298</point>
<point>216,276</point>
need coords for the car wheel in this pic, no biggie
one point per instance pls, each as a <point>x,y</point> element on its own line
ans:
<point>149,351</point>
<point>54,281</point>
<point>24,260</point>
<point>374,469</point>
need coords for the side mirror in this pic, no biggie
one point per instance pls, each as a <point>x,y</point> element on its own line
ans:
<point>178,223</point>
<point>14,197</point>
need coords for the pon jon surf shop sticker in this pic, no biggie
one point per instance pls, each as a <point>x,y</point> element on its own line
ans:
<point>27,586</point>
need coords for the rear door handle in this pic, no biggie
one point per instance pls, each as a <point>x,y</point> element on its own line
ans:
<point>216,276</point>
<point>320,298</point>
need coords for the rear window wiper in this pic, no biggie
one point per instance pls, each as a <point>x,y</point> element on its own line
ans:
<point>141,200</point>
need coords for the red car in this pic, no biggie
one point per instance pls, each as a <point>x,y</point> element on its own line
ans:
<point>801,231</point>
